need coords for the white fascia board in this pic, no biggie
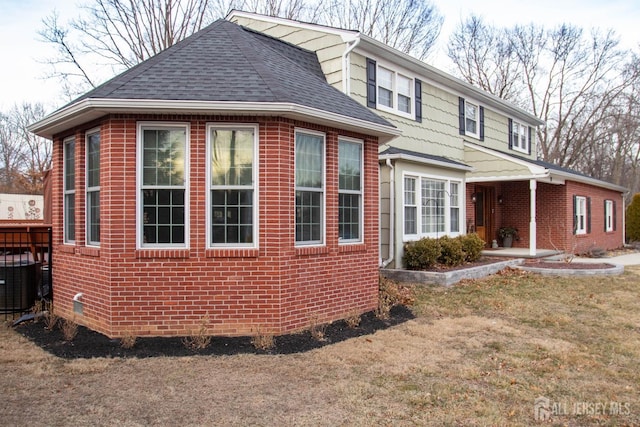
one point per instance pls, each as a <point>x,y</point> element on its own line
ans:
<point>346,35</point>
<point>567,176</point>
<point>92,108</point>
<point>512,178</point>
<point>422,160</point>
<point>443,80</point>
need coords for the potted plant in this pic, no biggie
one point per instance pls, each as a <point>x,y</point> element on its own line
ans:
<point>507,234</point>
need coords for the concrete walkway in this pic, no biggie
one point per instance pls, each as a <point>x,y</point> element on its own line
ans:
<point>626,259</point>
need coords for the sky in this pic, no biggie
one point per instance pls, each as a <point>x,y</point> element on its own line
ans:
<point>23,73</point>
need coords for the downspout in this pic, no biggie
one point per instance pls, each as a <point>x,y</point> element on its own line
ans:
<point>392,209</point>
<point>346,67</point>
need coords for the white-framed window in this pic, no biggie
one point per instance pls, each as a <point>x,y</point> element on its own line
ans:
<point>310,187</point>
<point>454,207</point>
<point>410,206</point>
<point>92,141</point>
<point>439,202</point>
<point>232,193</point>
<point>471,119</point>
<point>162,185</point>
<point>69,189</point>
<point>519,137</point>
<point>581,215</point>
<point>395,92</point>
<point>350,188</point>
<point>608,215</point>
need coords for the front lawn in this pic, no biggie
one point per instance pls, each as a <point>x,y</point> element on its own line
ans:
<point>479,353</point>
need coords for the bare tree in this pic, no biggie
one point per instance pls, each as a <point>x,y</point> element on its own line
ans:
<point>291,9</point>
<point>411,26</point>
<point>578,84</point>
<point>118,34</point>
<point>485,57</point>
<point>24,157</point>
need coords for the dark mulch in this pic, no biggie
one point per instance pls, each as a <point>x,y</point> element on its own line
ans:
<point>88,344</point>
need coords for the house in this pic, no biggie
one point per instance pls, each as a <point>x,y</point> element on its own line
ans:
<point>466,160</point>
<point>224,184</point>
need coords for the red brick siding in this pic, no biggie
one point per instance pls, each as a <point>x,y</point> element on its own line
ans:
<point>554,215</point>
<point>275,288</point>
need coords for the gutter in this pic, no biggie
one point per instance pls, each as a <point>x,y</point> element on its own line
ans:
<point>346,67</point>
<point>392,210</point>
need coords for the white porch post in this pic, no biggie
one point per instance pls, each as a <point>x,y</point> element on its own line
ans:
<point>532,221</point>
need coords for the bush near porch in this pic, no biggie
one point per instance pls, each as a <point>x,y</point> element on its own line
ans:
<point>448,251</point>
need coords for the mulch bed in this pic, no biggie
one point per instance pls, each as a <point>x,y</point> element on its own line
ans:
<point>89,344</point>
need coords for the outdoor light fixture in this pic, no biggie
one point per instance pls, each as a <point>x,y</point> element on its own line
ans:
<point>473,198</point>
<point>500,199</point>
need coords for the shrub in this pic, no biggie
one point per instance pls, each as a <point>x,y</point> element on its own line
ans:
<point>391,293</point>
<point>69,329</point>
<point>263,341</point>
<point>472,245</point>
<point>421,254</point>
<point>200,339</point>
<point>632,220</point>
<point>451,253</point>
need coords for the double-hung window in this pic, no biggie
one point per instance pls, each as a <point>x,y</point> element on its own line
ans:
<point>69,162</point>
<point>162,220</point>
<point>93,187</point>
<point>471,112</point>
<point>471,119</point>
<point>394,91</point>
<point>310,184</point>
<point>349,190</point>
<point>580,215</point>
<point>439,204</point>
<point>519,137</point>
<point>608,215</point>
<point>232,191</point>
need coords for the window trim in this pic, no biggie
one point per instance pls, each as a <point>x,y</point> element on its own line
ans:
<point>609,207</point>
<point>66,192</point>
<point>90,190</point>
<point>159,125</point>
<point>418,177</point>
<point>323,210</point>
<point>396,71</point>
<point>361,192</point>
<point>254,184</point>
<point>515,145</point>
<point>580,211</point>
<point>476,118</point>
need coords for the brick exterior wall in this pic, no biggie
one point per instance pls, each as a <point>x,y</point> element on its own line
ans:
<point>275,288</point>
<point>554,215</point>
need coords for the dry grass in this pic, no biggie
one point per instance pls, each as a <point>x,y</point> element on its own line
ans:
<point>478,354</point>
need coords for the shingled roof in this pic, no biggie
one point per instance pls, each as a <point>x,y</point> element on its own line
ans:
<point>225,62</point>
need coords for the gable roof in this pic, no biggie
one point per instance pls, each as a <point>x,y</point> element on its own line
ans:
<point>224,68</point>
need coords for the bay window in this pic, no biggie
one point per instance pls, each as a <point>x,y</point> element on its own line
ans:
<point>349,190</point>
<point>310,184</point>
<point>93,187</point>
<point>162,180</point>
<point>69,187</point>
<point>232,190</point>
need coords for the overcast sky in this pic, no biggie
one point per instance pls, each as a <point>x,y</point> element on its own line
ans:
<point>22,76</point>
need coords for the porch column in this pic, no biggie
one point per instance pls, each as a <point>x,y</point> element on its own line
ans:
<point>532,221</point>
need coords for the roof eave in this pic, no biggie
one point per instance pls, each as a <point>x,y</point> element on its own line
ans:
<point>587,180</point>
<point>89,109</point>
<point>422,160</point>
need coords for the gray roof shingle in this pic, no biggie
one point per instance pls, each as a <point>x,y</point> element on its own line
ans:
<point>227,62</point>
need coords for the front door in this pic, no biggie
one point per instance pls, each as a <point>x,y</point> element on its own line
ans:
<point>484,213</point>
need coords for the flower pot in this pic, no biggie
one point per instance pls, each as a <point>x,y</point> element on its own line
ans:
<point>507,241</point>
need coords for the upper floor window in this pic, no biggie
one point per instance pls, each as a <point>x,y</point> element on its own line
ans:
<point>471,119</point>
<point>232,185</point>
<point>519,137</point>
<point>93,187</point>
<point>69,188</point>
<point>391,90</point>
<point>162,185</point>
<point>349,190</point>
<point>310,184</point>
